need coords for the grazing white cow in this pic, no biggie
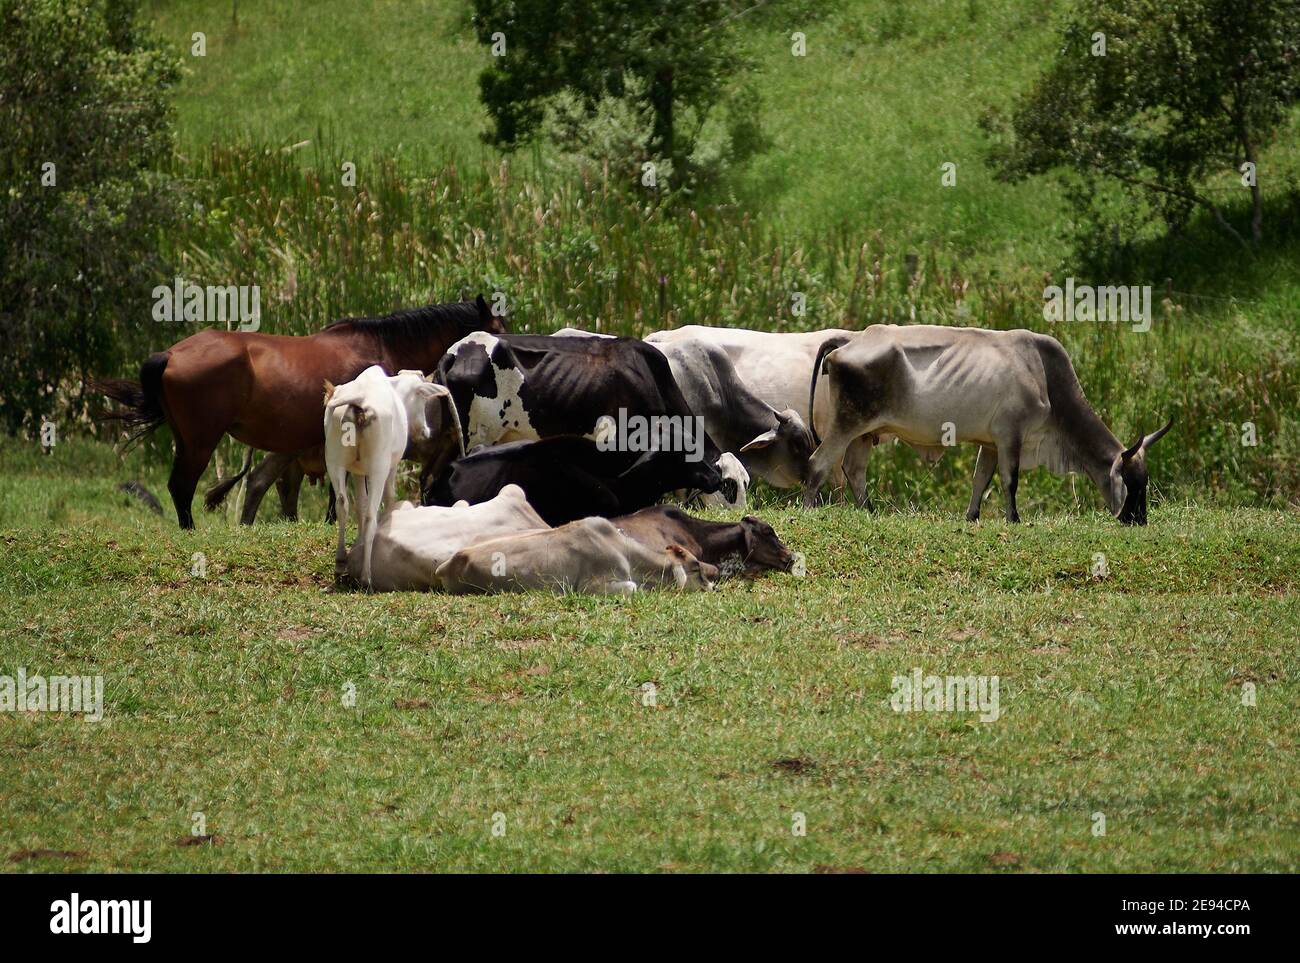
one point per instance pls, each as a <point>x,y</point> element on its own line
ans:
<point>589,555</point>
<point>369,424</point>
<point>411,542</point>
<point>776,366</point>
<point>1014,393</point>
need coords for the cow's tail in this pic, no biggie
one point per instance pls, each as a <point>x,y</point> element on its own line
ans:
<point>441,378</point>
<point>455,420</point>
<point>141,402</point>
<point>345,413</point>
<point>829,345</point>
<point>214,495</point>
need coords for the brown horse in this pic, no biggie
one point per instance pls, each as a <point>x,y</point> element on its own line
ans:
<point>265,389</point>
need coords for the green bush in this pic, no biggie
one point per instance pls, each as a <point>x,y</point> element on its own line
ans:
<point>84,110</point>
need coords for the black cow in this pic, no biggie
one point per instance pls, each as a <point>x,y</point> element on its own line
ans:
<point>750,545</point>
<point>517,387</point>
<point>567,478</point>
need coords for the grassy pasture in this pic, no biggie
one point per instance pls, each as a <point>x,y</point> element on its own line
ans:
<point>1119,695</point>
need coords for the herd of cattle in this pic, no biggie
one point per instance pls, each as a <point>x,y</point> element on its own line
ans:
<point>543,458</point>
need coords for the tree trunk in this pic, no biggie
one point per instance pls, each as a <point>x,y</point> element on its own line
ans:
<point>661,97</point>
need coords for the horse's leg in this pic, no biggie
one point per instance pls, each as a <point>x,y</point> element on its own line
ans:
<point>200,386</point>
<point>287,486</point>
<point>188,465</point>
<point>262,478</point>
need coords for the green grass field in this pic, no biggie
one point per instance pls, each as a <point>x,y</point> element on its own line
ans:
<point>1122,696</point>
<point>224,695</point>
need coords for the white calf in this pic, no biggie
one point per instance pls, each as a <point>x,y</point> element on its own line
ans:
<point>369,423</point>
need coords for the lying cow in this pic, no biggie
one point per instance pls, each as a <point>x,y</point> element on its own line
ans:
<point>521,387</point>
<point>772,443</point>
<point>566,477</point>
<point>411,543</point>
<point>1014,393</point>
<point>369,423</point>
<point>589,555</point>
<point>750,545</point>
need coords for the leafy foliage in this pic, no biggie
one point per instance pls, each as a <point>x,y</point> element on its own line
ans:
<point>567,65</point>
<point>83,104</point>
<point>1157,98</point>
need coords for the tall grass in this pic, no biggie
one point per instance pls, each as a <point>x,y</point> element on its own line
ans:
<point>596,256</point>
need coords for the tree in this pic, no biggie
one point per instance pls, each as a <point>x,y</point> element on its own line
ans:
<point>1157,97</point>
<point>677,55</point>
<point>86,121</point>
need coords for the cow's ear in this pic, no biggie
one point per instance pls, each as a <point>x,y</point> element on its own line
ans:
<point>762,441</point>
<point>645,459</point>
<point>484,313</point>
<point>1133,449</point>
<point>433,390</point>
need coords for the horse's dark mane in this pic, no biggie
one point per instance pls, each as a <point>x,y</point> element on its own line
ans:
<point>414,323</point>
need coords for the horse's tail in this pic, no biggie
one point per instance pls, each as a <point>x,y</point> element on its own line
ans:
<point>829,345</point>
<point>141,401</point>
<point>214,495</point>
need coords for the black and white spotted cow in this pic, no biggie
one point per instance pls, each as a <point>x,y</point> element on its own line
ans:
<point>517,387</point>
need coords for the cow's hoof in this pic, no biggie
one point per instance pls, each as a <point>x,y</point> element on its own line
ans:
<point>972,516</point>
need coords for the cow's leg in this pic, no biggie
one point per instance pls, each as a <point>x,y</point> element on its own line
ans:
<point>188,466</point>
<point>855,467</point>
<point>331,509</point>
<point>985,464</point>
<point>287,486</point>
<point>339,481</point>
<point>390,487</point>
<point>262,478</point>
<point>368,520</point>
<point>839,481</point>
<point>1009,469</point>
<point>828,456</point>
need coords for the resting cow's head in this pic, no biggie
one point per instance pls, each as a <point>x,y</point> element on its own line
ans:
<point>781,453</point>
<point>1128,480</point>
<point>763,549</point>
